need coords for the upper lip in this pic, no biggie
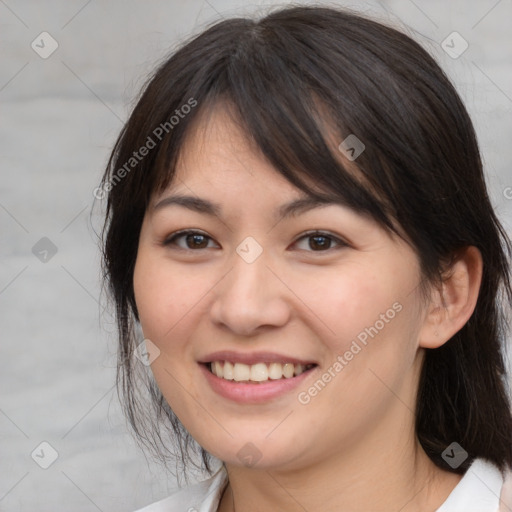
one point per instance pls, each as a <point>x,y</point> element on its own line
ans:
<point>252,358</point>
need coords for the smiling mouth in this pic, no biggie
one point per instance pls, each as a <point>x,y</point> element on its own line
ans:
<point>256,373</point>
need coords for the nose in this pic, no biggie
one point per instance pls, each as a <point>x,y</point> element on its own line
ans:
<point>251,297</point>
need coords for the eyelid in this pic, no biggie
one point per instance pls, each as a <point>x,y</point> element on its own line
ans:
<point>314,232</point>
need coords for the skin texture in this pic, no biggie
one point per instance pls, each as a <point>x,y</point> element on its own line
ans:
<point>353,446</point>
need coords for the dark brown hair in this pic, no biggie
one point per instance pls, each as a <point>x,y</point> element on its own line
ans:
<point>421,170</point>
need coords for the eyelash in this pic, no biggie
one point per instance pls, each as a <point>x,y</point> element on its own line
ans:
<point>309,234</point>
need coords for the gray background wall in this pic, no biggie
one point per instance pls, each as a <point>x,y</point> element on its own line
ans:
<point>59,118</point>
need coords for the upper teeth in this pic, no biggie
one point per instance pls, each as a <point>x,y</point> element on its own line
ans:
<point>256,372</point>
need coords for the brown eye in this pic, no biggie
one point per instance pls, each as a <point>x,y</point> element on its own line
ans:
<point>193,240</point>
<point>321,242</point>
<point>196,241</point>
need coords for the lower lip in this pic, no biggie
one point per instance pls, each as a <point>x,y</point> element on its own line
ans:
<point>246,393</point>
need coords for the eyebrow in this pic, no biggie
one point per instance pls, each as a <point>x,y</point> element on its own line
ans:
<point>197,204</point>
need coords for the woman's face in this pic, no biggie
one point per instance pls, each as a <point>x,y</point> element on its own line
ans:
<point>254,289</point>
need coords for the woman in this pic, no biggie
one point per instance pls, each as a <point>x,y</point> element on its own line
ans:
<point>300,243</point>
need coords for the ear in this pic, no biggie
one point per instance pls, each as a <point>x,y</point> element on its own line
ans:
<point>453,302</point>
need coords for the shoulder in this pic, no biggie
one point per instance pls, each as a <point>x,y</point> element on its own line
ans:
<point>479,490</point>
<point>201,497</point>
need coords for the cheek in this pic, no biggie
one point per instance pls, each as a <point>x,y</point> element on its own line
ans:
<point>349,302</point>
<point>165,301</point>
<point>373,321</point>
<point>149,296</point>
<point>164,295</point>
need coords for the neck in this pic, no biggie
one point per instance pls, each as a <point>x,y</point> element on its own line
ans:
<point>382,478</point>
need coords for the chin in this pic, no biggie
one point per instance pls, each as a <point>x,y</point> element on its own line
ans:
<point>260,454</point>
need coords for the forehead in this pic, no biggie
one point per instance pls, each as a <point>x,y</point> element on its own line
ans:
<point>221,174</point>
<point>218,156</point>
<point>219,161</point>
<point>218,140</point>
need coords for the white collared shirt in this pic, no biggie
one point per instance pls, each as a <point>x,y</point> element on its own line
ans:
<point>478,491</point>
